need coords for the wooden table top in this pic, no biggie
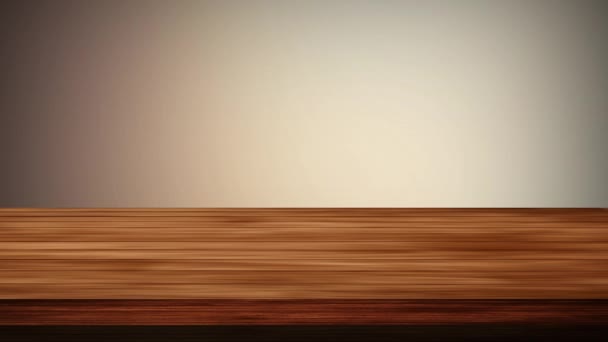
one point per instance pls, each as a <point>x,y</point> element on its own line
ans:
<point>392,259</point>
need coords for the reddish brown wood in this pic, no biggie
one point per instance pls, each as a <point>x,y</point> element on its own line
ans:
<point>298,312</point>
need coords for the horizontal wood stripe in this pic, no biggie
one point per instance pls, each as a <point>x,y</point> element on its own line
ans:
<point>306,312</point>
<point>383,253</point>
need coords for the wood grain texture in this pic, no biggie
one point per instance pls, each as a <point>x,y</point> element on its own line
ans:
<point>386,253</point>
<point>303,312</point>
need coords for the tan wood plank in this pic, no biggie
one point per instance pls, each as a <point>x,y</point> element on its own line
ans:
<point>304,253</point>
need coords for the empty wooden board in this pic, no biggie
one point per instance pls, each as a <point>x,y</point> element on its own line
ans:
<point>312,253</point>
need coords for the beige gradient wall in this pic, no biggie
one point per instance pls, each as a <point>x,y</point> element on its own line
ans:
<point>308,104</point>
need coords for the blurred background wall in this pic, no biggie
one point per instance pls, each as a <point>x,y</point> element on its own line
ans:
<point>279,103</point>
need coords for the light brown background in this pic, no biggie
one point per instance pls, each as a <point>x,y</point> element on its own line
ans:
<point>305,104</point>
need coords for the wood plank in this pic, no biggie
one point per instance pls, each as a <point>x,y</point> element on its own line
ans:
<point>371,253</point>
<point>149,232</point>
<point>461,266</point>
<point>303,312</point>
<point>379,290</point>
